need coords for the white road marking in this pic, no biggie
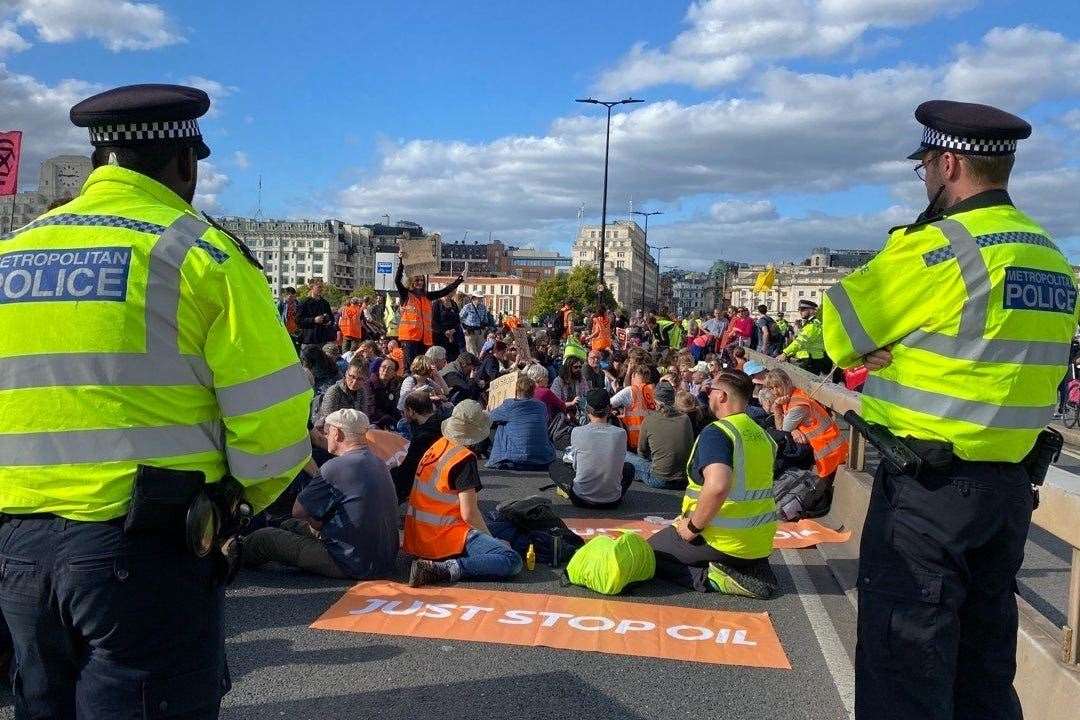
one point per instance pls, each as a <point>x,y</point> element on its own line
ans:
<point>828,639</point>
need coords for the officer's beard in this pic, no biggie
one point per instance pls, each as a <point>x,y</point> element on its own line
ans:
<point>932,209</point>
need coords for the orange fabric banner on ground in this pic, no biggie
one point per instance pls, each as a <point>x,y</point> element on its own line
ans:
<point>801,534</point>
<point>590,624</point>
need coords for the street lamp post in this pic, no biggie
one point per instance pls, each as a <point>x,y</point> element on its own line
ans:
<point>645,264</point>
<point>663,247</point>
<point>607,145</point>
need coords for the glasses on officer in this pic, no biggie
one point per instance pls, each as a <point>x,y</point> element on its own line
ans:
<point>920,169</point>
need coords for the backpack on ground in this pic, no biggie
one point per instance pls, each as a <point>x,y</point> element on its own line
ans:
<point>801,494</point>
<point>532,521</point>
<point>607,565</point>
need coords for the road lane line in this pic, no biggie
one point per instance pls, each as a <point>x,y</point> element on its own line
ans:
<point>828,640</point>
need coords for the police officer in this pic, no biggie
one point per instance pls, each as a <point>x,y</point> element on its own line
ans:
<point>142,367</point>
<point>965,358</point>
<point>807,349</point>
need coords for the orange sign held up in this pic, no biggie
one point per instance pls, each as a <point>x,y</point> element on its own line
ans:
<point>801,534</point>
<point>590,624</point>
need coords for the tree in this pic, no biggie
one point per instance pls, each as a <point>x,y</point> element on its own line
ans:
<point>579,285</point>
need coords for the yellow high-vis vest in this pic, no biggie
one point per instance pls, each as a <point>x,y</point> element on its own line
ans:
<point>979,308</point>
<point>134,333</point>
<point>808,343</point>
<point>745,524</point>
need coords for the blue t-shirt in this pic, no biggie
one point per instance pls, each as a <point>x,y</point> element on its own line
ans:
<point>355,499</point>
<point>713,446</point>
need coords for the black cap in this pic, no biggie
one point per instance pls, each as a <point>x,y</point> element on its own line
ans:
<point>598,399</point>
<point>968,129</point>
<point>137,115</point>
<point>807,305</point>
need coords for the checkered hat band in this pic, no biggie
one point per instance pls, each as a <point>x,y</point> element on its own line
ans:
<point>163,130</point>
<point>974,146</point>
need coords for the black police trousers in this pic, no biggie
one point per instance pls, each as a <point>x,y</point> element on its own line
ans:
<point>110,626</point>
<point>937,580</point>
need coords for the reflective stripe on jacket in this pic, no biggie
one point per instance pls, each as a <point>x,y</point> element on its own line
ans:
<point>349,322</point>
<point>415,324</point>
<point>139,334</point>
<point>744,525</point>
<point>809,343</point>
<point>434,528</point>
<point>821,431</point>
<point>979,309</point>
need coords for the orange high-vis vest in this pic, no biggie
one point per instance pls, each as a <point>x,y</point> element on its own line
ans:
<point>415,324</point>
<point>349,322</point>
<point>644,400</point>
<point>434,528</point>
<point>602,329</point>
<point>820,430</point>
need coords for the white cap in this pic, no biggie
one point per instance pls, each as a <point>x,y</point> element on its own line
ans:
<point>353,423</point>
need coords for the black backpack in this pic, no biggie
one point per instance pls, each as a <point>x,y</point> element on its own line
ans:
<point>532,521</point>
<point>801,494</point>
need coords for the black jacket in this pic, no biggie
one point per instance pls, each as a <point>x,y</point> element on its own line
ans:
<point>312,333</point>
<point>423,437</point>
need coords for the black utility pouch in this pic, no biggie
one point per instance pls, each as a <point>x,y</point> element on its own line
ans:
<point>160,499</point>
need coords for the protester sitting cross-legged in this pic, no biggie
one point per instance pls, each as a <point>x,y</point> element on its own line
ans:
<point>599,474</point>
<point>424,430</point>
<point>344,521</point>
<point>723,538</point>
<point>808,422</point>
<point>521,441</point>
<point>423,376</point>
<point>381,395</point>
<point>664,446</point>
<point>444,528</point>
<point>458,376</point>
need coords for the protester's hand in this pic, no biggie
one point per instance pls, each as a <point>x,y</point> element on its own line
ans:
<point>878,359</point>
<point>574,401</point>
<point>320,320</point>
<point>682,527</point>
<point>449,334</point>
<point>781,400</point>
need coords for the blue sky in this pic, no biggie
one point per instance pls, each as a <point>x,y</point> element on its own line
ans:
<point>772,126</point>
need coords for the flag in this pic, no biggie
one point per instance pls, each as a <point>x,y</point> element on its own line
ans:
<point>765,280</point>
<point>10,147</point>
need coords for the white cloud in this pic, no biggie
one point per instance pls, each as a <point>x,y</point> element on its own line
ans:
<point>240,159</point>
<point>1071,119</point>
<point>738,211</point>
<point>10,40</point>
<point>210,185</point>
<point>217,91</point>
<point>726,38</point>
<point>41,112</point>
<point>117,24</point>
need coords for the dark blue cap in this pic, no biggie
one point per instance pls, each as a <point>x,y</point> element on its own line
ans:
<point>139,115</point>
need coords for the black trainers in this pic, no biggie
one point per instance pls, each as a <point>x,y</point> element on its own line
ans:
<point>427,572</point>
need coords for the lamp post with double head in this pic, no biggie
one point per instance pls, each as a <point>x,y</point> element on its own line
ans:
<point>645,255</point>
<point>607,146</point>
<point>663,247</point>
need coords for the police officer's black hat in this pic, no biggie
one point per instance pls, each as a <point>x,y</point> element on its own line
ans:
<point>807,305</point>
<point>137,115</point>
<point>968,129</point>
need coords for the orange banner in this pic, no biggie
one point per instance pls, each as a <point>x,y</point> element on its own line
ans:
<point>801,534</point>
<point>590,624</point>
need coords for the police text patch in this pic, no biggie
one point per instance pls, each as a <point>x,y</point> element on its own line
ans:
<point>77,274</point>
<point>1031,289</point>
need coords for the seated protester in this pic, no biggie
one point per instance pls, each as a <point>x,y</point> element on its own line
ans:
<point>635,401</point>
<point>424,430</point>
<point>395,351</point>
<point>333,351</point>
<point>724,536</point>
<point>436,355</point>
<point>368,351</point>
<point>491,364</point>
<point>458,376</point>
<point>347,393</point>
<point>423,376</point>
<point>381,395</point>
<point>808,422</point>
<point>555,406</point>
<point>664,447</point>
<point>571,385</point>
<point>756,372</point>
<point>594,374</point>
<point>599,475</point>
<point>323,369</point>
<point>344,521</point>
<point>444,527</point>
<point>521,439</point>
<point>689,406</point>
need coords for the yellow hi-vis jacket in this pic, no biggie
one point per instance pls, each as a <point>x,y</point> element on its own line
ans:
<point>979,308</point>
<point>136,333</point>
<point>745,524</point>
<point>808,343</point>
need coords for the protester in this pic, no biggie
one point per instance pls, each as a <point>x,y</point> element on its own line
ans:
<point>324,371</point>
<point>333,351</point>
<point>521,441</point>
<point>350,323</point>
<point>600,337</point>
<point>664,446</point>
<point>767,332</point>
<point>571,384</point>
<point>808,422</point>
<point>381,393</point>
<point>635,401</point>
<point>344,521</point>
<point>315,318</point>
<point>393,350</point>
<point>491,364</point>
<point>447,319</point>
<point>423,376</point>
<point>424,430</point>
<point>724,536</point>
<point>416,329</point>
<point>476,321</point>
<point>598,475</point>
<point>689,406</point>
<point>347,393</point>
<point>444,528</point>
<point>539,375</point>
<point>458,377</point>
<point>288,308</point>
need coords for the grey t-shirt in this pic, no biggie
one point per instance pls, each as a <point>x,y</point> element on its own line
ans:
<point>599,452</point>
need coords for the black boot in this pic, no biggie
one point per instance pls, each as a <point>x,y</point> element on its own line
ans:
<point>428,572</point>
